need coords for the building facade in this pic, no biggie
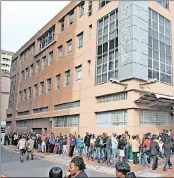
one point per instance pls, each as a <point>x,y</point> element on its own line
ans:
<point>97,66</point>
<point>6,58</point>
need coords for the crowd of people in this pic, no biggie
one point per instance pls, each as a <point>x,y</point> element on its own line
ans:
<point>105,148</point>
<point>77,169</point>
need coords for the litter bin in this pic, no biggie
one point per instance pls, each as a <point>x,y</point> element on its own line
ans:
<point>130,153</point>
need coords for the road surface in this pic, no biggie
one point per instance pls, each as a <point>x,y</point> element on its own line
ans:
<point>12,167</point>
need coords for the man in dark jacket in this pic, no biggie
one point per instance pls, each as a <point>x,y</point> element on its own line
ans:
<point>154,151</point>
<point>167,148</point>
<point>87,143</point>
<point>98,146</point>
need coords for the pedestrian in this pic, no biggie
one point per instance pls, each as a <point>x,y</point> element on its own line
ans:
<point>154,151</point>
<point>30,148</point>
<point>80,145</point>
<point>91,151</point>
<point>87,143</point>
<point>72,145</point>
<point>56,172</point>
<point>76,168</point>
<point>60,144</point>
<point>167,150</point>
<point>43,143</point>
<point>68,145</point>
<point>114,148</point>
<point>22,147</point>
<point>65,145</point>
<point>47,142</point>
<point>52,142</point>
<point>135,149</point>
<point>145,157</point>
<point>121,146</point>
<point>123,170</point>
<point>39,143</point>
<point>98,146</point>
<point>16,139</point>
<point>108,149</point>
<point>126,149</point>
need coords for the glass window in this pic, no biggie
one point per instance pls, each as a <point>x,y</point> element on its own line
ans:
<point>112,118</point>
<point>159,53</point>
<point>41,87</point>
<point>58,77</point>
<point>69,46</point>
<point>80,40</point>
<point>89,8</point>
<point>81,9</point>
<point>67,78</point>
<point>71,17</point>
<point>48,84</point>
<point>60,51</point>
<point>43,62</point>
<point>50,58</point>
<point>78,74</point>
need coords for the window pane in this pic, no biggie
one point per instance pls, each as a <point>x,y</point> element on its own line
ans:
<point>156,74</point>
<point>162,67</point>
<point>156,65</point>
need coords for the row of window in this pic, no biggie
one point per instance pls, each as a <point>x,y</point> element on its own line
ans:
<point>81,12</point>
<point>26,73</point>
<point>112,118</point>
<point>67,105</point>
<point>29,51</point>
<point>5,59</point>
<point>5,65</point>
<point>112,97</point>
<point>26,95</point>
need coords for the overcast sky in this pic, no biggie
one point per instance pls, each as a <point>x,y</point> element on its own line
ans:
<point>20,20</point>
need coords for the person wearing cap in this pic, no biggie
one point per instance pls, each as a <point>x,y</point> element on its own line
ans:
<point>76,168</point>
<point>30,148</point>
<point>22,147</point>
<point>123,170</point>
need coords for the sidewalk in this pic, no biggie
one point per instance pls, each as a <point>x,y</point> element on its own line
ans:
<point>139,170</point>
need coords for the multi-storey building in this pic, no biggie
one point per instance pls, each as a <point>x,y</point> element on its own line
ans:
<point>97,66</point>
<point>6,58</point>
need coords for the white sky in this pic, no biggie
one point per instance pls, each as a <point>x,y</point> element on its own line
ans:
<point>21,20</point>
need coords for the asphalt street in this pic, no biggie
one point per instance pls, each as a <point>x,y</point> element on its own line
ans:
<point>12,167</point>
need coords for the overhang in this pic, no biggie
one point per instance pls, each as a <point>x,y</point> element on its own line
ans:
<point>152,99</point>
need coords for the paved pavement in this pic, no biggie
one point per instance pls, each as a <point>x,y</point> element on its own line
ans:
<point>101,168</point>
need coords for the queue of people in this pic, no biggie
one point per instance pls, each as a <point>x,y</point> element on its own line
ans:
<point>107,148</point>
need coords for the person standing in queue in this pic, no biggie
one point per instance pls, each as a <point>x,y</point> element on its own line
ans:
<point>72,145</point>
